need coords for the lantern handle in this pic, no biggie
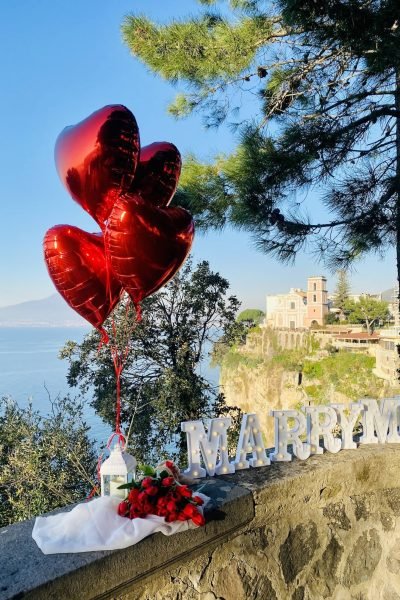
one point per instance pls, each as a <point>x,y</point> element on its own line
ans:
<point>121,440</point>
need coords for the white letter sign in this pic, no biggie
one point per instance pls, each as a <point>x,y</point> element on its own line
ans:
<point>316,428</point>
<point>199,443</point>
<point>250,441</point>
<point>284,435</point>
<point>347,417</point>
<point>381,419</point>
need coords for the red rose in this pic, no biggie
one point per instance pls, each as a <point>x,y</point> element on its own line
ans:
<point>182,517</point>
<point>169,464</point>
<point>171,506</point>
<point>183,491</point>
<point>172,516</point>
<point>147,482</point>
<point>199,501</point>
<point>136,513</point>
<point>168,481</point>
<point>133,495</point>
<point>123,509</point>
<point>190,510</point>
<point>198,519</point>
<point>152,490</point>
<point>145,504</point>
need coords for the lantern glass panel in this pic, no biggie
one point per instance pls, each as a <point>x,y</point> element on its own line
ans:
<point>115,482</point>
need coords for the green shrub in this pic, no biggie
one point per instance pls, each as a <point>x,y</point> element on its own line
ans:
<point>312,369</point>
<point>234,358</point>
<point>45,461</point>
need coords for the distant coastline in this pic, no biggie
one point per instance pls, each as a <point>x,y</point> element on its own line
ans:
<point>52,312</point>
<point>43,325</point>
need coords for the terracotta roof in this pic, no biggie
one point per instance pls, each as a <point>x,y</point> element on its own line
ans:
<point>358,336</point>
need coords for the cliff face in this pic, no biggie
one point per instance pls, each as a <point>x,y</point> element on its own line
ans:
<point>260,389</point>
<point>281,370</point>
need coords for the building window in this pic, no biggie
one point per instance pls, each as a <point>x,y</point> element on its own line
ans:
<point>292,305</point>
<point>292,324</point>
<point>314,287</point>
<point>314,297</point>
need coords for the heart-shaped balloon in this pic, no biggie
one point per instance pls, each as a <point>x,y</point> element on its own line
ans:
<point>97,158</point>
<point>77,265</point>
<point>157,174</point>
<point>146,244</point>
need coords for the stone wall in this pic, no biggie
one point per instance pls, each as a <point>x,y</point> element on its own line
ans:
<point>328,527</point>
<point>325,528</point>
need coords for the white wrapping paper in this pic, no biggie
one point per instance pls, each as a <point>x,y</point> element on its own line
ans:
<point>96,525</point>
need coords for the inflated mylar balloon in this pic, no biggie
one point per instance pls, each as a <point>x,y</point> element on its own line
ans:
<point>77,265</point>
<point>158,172</point>
<point>146,244</point>
<point>97,158</point>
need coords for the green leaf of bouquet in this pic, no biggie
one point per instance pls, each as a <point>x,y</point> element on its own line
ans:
<point>125,486</point>
<point>147,470</point>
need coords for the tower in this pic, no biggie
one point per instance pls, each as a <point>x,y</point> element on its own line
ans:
<point>317,301</point>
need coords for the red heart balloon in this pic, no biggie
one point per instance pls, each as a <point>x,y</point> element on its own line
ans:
<point>146,244</point>
<point>77,265</point>
<point>157,174</point>
<point>97,158</point>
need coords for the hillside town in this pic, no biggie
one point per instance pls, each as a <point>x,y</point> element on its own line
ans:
<point>316,309</point>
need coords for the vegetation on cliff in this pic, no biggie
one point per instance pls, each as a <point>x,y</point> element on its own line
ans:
<point>348,373</point>
<point>302,374</point>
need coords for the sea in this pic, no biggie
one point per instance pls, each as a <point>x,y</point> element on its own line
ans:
<point>31,370</point>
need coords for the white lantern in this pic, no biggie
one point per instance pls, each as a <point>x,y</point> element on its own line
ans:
<point>119,468</point>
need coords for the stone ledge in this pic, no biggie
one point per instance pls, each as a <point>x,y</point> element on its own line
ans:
<point>331,505</point>
<point>27,573</point>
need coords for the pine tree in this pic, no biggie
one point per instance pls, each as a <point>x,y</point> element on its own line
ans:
<point>341,294</point>
<point>327,120</point>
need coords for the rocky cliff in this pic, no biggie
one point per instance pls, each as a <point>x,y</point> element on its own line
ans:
<point>282,369</point>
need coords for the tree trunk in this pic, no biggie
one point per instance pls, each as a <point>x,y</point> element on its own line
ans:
<point>397,195</point>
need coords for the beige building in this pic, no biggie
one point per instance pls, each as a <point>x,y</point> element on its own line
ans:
<point>299,309</point>
<point>387,358</point>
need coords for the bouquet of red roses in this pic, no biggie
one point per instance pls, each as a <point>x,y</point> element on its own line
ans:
<point>160,493</point>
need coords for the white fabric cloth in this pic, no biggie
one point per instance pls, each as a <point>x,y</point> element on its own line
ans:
<point>96,525</point>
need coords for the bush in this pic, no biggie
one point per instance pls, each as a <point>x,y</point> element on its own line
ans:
<point>312,369</point>
<point>331,319</point>
<point>233,359</point>
<point>45,461</point>
<point>350,374</point>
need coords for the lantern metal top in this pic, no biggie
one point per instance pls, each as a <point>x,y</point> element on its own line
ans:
<point>118,463</point>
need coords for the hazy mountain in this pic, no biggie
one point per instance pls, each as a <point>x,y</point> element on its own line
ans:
<point>48,312</point>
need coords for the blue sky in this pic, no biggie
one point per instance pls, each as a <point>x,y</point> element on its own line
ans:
<point>60,62</point>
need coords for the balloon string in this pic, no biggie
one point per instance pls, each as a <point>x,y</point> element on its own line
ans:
<point>119,358</point>
<point>103,340</point>
<point>138,309</point>
<point>118,405</point>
